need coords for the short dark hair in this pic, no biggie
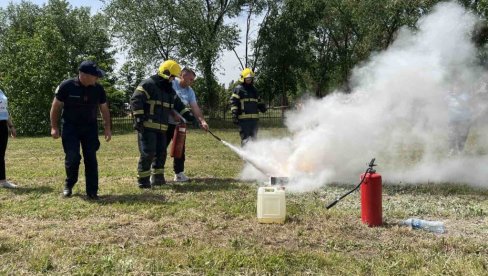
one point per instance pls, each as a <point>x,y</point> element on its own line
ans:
<point>188,70</point>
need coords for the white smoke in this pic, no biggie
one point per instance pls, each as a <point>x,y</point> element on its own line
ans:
<point>397,112</point>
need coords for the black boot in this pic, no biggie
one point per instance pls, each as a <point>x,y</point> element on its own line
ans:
<point>93,197</point>
<point>143,183</point>
<point>157,180</point>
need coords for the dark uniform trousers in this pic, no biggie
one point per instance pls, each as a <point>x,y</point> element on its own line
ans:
<point>248,130</point>
<point>152,148</point>
<point>86,135</point>
<point>3,147</point>
<point>178,163</point>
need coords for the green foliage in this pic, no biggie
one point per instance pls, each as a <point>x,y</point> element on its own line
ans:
<point>282,51</point>
<point>146,29</point>
<point>130,75</point>
<point>312,46</point>
<point>221,97</point>
<point>39,47</point>
<point>189,31</point>
<point>116,100</point>
<point>307,47</point>
<point>203,45</point>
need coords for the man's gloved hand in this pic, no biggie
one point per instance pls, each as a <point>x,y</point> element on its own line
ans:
<point>139,124</point>
<point>262,107</point>
<point>235,119</point>
<point>139,127</point>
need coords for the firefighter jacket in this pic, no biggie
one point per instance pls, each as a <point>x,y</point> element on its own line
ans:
<point>153,101</point>
<point>245,102</point>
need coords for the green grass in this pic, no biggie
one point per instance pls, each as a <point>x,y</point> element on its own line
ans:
<point>209,226</point>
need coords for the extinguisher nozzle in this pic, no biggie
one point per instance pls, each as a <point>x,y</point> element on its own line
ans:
<point>330,205</point>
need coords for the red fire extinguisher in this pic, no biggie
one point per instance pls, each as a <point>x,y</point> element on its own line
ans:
<point>178,143</point>
<point>371,205</point>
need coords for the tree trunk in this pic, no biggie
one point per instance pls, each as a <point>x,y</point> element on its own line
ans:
<point>210,93</point>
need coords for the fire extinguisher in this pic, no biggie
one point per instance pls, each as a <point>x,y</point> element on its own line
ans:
<point>371,189</point>
<point>179,138</point>
<point>371,205</point>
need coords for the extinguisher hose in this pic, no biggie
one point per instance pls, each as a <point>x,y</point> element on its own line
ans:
<point>368,170</point>
<point>215,136</point>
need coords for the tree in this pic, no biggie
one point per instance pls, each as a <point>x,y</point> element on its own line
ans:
<point>41,46</point>
<point>281,50</point>
<point>205,44</point>
<point>190,31</point>
<point>349,31</point>
<point>147,30</point>
<point>480,35</point>
<point>130,75</point>
<point>314,45</point>
<point>253,8</point>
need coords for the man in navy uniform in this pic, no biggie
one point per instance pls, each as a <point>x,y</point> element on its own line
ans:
<point>80,98</point>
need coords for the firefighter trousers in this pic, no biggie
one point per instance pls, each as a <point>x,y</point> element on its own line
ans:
<point>152,149</point>
<point>87,136</point>
<point>248,129</point>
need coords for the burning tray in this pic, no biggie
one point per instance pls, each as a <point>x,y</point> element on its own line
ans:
<point>278,180</point>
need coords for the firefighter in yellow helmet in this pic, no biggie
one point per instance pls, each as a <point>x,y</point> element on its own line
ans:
<point>152,102</point>
<point>245,106</point>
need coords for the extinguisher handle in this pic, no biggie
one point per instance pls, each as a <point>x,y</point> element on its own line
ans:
<point>372,164</point>
<point>182,119</point>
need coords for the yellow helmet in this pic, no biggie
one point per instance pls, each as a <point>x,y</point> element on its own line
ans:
<point>246,73</point>
<point>168,69</point>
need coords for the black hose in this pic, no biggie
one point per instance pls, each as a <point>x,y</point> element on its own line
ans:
<point>215,136</point>
<point>368,170</point>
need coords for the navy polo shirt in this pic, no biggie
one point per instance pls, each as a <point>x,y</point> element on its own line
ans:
<point>80,102</point>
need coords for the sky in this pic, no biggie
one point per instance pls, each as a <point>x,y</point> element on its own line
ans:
<point>228,68</point>
<point>410,107</point>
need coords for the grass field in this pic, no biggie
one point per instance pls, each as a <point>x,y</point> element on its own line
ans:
<point>209,226</point>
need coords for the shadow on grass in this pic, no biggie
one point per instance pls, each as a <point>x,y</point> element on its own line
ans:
<point>205,184</point>
<point>129,199</point>
<point>32,190</point>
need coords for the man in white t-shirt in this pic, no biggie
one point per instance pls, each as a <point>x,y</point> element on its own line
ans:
<point>182,86</point>
<point>6,125</point>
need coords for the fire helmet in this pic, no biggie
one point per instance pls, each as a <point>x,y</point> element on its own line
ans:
<point>169,68</point>
<point>246,73</point>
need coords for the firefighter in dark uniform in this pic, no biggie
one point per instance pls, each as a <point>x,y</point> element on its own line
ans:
<point>80,98</point>
<point>245,106</point>
<point>152,102</point>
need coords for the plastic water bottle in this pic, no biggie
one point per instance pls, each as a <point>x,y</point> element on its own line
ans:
<point>431,226</point>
